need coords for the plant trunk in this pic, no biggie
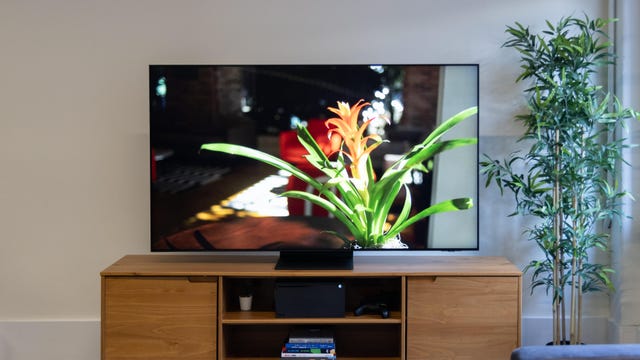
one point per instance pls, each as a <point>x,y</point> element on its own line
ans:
<point>563,323</point>
<point>573,317</point>
<point>574,282</point>
<point>558,311</point>
<point>576,261</point>
<point>576,305</point>
<point>579,313</point>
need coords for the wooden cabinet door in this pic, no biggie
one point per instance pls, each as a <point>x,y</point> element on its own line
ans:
<point>158,318</point>
<point>462,317</point>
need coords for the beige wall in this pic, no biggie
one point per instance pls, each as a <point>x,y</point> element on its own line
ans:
<point>74,113</point>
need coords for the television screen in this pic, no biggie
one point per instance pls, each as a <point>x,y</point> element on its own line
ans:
<point>210,201</point>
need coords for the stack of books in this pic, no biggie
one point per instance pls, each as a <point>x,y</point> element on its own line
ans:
<point>309,344</point>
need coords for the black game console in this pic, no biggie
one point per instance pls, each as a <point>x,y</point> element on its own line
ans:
<point>309,298</point>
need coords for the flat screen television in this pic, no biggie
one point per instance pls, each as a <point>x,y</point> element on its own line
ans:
<point>207,201</point>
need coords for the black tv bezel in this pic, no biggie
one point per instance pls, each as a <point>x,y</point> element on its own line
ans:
<point>325,258</point>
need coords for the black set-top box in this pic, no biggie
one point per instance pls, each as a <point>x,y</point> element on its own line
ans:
<point>309,298</point>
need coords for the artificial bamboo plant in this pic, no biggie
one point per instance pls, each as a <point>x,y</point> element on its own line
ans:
<point>352,193</point>
<point>569,182</point>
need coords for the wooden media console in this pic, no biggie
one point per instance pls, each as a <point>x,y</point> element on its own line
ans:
<point>186,307</point>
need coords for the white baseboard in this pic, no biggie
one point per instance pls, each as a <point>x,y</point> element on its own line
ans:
<point>51,340</point>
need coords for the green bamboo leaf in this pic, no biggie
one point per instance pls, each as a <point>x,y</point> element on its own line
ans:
<point>544,46</point>
<point>550,26</point>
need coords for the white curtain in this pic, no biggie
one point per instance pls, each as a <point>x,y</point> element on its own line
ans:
<point>625,304</point>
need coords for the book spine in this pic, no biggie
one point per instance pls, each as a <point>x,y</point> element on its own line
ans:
<point>308,351</point>
<point>309,346</point>
<point>311,340</point>
<point>308,356</point>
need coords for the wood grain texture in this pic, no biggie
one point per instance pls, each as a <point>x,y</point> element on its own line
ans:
<point>216,265</point>
<point>158,318</point>
<point>463,317</point>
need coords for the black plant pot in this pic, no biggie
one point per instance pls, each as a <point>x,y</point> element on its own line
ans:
<point>563,342</point>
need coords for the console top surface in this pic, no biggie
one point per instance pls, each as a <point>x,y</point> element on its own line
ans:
<point>264,265</point>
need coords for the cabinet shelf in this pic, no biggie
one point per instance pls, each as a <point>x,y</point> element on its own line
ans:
<point>268,317</point>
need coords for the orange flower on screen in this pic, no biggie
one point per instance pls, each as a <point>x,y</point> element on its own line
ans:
<point>345,133</point>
